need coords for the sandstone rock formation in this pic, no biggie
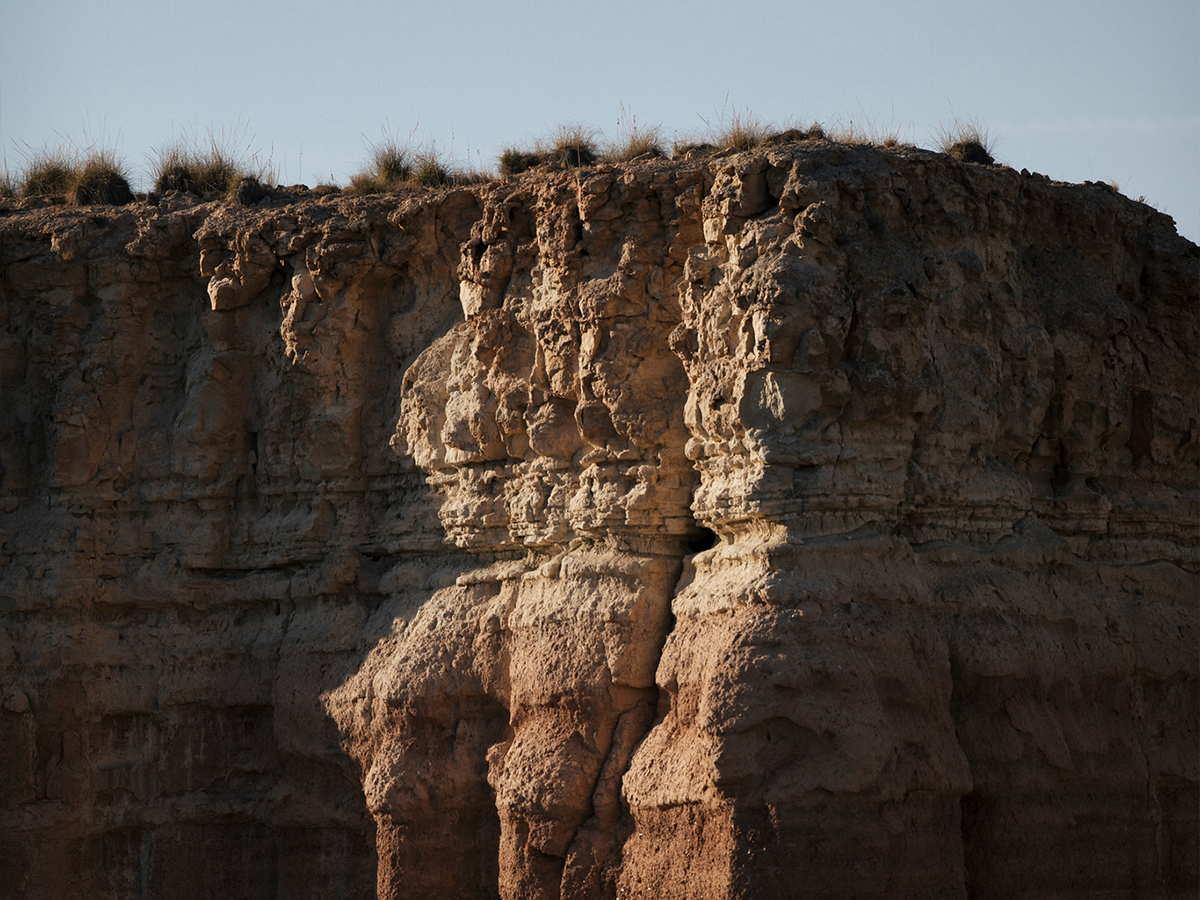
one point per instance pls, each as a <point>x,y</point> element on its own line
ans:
<point>812,522</point>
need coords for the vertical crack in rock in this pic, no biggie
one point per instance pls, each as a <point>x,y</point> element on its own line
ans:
<point>593,861</point>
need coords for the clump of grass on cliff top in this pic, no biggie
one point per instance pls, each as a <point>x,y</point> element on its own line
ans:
<point>473,175</point>
<point>100,179</point>
<point>967,140</point>
<point>814,132</point>
<point>82,177</point>
<point>633,141</point>
<point>50,172</point>
<point>431,168</point>
<point>394,165</point>
<point>515,160</point>
<point>868,135</point>
<point>390,166</point>
<point>209,174</point>
<point>574,146</point>
<point>739,130</point>
<point>212,169</point>
<point>744,130</point>
<point>570,147</point>
<point>866,128</point>
<point>638,143</point>
<point>768,136</point>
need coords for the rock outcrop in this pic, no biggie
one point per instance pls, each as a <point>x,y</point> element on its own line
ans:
<point>812,522</point>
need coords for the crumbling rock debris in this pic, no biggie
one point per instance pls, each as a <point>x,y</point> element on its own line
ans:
<point>817,521</point>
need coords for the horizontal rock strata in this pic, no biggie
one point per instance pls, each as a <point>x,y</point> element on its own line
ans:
<point>818,521</point>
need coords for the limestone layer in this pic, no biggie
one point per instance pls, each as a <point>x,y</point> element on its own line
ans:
<point>812,522</point>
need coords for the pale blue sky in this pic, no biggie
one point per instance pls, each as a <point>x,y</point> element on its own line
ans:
<point>1097,90</point>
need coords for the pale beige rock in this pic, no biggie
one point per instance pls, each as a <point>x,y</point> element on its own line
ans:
<point>814,522</point>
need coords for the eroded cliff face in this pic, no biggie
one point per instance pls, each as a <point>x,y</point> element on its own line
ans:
<point>812,522</point>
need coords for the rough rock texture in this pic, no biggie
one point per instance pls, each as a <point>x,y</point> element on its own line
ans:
<point>812,522</point>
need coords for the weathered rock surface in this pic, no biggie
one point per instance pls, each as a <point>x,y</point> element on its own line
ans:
<point>812,522</point>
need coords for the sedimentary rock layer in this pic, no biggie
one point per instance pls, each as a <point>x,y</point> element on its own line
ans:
<point>812,522</point>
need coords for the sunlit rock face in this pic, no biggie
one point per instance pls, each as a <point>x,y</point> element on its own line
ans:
<point>811,522</point>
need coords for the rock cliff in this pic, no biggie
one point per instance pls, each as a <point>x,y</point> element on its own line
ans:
<point>812,522</point>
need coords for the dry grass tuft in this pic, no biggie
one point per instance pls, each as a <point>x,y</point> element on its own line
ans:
<point>208,175</point>
<point>638,143</point>
<point>865,130</point>
<point>389,169</point>
<point>80,176</point>
<point>633,141</point>
<point>813,132</point>
<point>396,165</point>
<point>473,175</point>
<point>744,131</point>
<point>368,183</point>
<point>101,179</point>
<point>740,130</point>
<point>571,146</point>
<point>432,169</point>
<point>967,140</point>
<point>514,160</point>
<point>195,173</point>
<point>691,146</point>
<point>575,146</point>
<point>50,172</point>
<point>213,168</point>
<point>390,166</point>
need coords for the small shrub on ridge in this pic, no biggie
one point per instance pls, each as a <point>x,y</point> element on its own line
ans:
<point>430,170</point>
<point>745,131</point>
<point>790,135</point>
<point>101,179</point>
<point>638,143</point>
<point>389,166</point>
<point>49,173</point>
<point>571,147</point>
<point>208,174</point>
<point>575,146</point>
<point>633,140</point>
<point>514,161</point>
<point>213,169</point>
<point>967,140</point>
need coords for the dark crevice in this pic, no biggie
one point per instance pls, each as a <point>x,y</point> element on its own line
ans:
<point>1141,432</point>
<point>972,812</point>
<point>702,539</point>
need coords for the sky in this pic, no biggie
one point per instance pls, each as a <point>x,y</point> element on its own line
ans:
<point>1080,91</point>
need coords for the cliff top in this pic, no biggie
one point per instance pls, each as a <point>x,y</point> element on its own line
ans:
<point>47,212</point>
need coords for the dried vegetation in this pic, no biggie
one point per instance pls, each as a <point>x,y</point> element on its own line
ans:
<point>80,176</point>
<point>217,167</point>
<point>221,167</point>
<point>394,164</point>
<point>967,140</point>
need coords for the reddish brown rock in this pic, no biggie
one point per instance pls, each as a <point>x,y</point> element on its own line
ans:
<point>811,522</point>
